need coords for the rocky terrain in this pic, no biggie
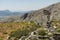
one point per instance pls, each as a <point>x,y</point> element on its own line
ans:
<point>41,16</point>
<point>42,24</point>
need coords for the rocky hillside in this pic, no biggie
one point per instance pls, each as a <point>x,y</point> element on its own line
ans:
<point>32,25</point>
<point>40,15</point>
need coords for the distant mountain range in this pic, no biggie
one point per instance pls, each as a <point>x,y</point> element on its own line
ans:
<point>9,13</point>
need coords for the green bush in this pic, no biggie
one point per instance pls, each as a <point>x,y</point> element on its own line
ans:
<point>42,32</point>
<point>1,38</point>
<point>57,30</point>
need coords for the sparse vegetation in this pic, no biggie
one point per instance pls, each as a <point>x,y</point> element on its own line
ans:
<point>42,32</point>
<point>19,29</point>
<point>25,30</point>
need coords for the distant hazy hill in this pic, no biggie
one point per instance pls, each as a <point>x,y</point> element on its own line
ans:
<point>9,13</point>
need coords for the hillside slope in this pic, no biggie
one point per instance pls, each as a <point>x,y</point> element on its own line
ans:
<point>40,15</point>
<point>16,27</point>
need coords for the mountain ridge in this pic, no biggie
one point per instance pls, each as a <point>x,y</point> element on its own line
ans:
<point>41,17</point>
<point>10,13</point>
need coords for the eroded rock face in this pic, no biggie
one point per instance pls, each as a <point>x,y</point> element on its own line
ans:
<point>24,16</point>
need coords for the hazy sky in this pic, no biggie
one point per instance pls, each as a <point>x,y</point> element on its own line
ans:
<point>25,5</point>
